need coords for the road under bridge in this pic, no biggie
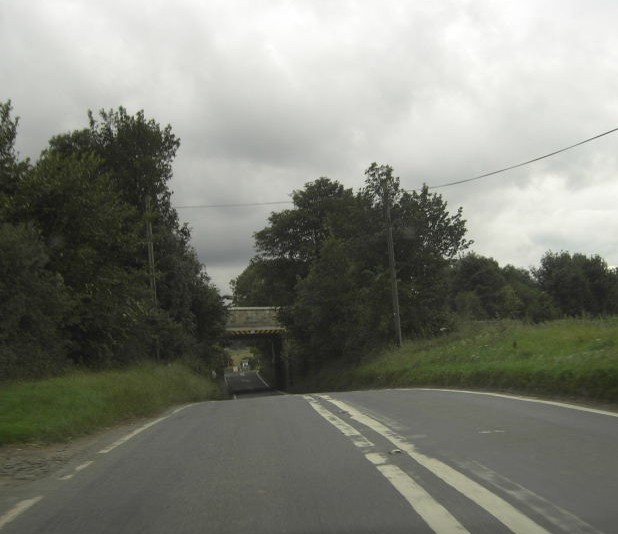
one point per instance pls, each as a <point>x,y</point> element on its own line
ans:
<point>260,325</point>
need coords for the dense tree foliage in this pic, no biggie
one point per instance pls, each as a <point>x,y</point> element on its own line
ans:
<point>481,289</point>
<point>579,284</point>
<point>331,251</point>
<point>34,306</point>
<point>81,212</point>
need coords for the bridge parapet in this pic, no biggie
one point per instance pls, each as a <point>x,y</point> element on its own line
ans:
<point>252,321</point>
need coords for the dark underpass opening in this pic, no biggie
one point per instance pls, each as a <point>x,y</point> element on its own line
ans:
<point>267,373</point>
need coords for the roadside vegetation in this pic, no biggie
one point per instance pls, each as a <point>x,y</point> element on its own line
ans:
<point>77,282</point>
<point>571,358</point>
<point>81,402</point>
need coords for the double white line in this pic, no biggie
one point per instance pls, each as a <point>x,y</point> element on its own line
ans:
<point>433,513</point>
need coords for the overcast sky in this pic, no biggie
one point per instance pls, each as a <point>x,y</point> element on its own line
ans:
<point>268,95</point>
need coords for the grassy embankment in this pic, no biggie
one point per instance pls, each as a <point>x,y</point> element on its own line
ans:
<point>576,359</point>
<point>57,409</point>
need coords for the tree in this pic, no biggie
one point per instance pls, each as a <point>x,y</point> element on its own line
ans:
<point>536,305</point>
<point>297,234</point>
<point>340,310</point>
<point>12,170</point>
<point>266,283</point>
<point>331,252</point>
<point>83,219</point>
<point>428,238</point>
<point>136,152</point>
<point>88,197</point>
<point>481,289</point>
<point>34,306</point>
<point>92,239</point>
<point>578,284</point>
<point>291,242</point>
<point>481,276</point>
<point>138,155</point>
<point>34,302</point>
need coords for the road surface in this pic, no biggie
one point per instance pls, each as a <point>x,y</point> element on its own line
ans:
<point>390,461</point>
<point>247,384</point>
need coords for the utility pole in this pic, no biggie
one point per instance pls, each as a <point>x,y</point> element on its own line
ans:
<point>151,263</point>
<point>391,263</point>
<point>151,267</point>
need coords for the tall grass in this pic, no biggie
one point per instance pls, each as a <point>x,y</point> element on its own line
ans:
<point>569,358</point>
<point>60,408</point>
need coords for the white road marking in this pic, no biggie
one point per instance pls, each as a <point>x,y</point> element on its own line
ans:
<point>492,431</point>
<point>77,470</point>
<point>438,518</point>
<point>18,509</point>
<point>130,435</point>
<point>519,398</point>
<point>435,515</point>
<point>83,466</point>
<point>503,511</point>
<point>263,381</point>
<point>347,430</point>
<point>565,521</point>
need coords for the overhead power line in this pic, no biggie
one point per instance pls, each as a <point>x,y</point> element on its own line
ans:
<point>448,184</point>
<point>236,205</point>
<point>523,163</point>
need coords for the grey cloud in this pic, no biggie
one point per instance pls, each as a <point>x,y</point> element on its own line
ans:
<point>267,96</point>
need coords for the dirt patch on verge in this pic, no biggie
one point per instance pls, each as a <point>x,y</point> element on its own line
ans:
<point>28,462</point>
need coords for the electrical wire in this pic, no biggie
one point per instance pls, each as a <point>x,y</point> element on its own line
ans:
<point>237,205</point>
<point>523,163</point>
<point>449,184</point>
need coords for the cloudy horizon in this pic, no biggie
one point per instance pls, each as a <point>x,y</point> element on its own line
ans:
<point>266,96</point>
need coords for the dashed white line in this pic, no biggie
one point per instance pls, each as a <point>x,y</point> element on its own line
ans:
<point>76,470</point>
<point>18,509</point>
<point>503,511</point>
<point>22,506</point>
<point>434,514</point>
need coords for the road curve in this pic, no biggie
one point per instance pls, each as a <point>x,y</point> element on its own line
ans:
<point>358,462</point>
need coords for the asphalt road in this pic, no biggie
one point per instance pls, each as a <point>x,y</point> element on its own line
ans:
<point>380,461</point>
<point>246,384</point>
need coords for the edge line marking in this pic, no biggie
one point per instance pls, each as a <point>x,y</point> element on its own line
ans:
<point>18,509</point>
<point>520,398</point>
<point>137,431</point>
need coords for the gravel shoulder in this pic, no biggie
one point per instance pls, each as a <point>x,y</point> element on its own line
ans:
<point>24,463</point>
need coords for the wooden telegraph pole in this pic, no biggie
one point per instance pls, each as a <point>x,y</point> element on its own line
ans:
<point>151,263</point>
<point>151,267</point>
<point>391,263</point>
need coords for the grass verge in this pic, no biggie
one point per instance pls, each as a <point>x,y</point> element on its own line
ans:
<point>78,403</point>
<point>572,358</point>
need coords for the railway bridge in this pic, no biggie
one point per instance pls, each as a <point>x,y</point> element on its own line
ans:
<point>260,326</point>
<point>253,321</point>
